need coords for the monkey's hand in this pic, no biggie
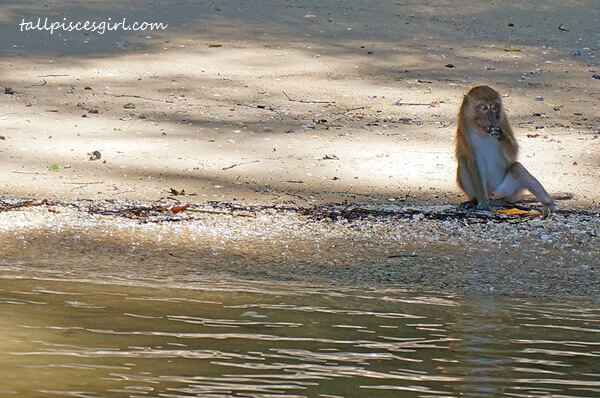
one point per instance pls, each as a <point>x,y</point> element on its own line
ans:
<point>549,209</point>
<point>496,132</point>
<point>483,204</point>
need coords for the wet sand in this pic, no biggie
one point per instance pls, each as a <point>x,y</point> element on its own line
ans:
<point>432,249</point>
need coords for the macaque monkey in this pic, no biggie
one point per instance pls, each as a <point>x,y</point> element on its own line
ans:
<point>486,151</point>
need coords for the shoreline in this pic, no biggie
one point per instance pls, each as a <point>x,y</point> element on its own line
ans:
<point>420,248</point>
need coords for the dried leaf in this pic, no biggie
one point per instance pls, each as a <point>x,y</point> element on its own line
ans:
<point>178,208</point>
<point>518,212</point>
<point>38,203</point>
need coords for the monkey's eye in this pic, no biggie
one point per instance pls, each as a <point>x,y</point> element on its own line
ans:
<point>483,108</point>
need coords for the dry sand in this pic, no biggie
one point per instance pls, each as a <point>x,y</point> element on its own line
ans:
<point>304,102</point>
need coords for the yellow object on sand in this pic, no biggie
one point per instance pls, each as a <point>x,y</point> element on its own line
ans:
<point>518,212</point>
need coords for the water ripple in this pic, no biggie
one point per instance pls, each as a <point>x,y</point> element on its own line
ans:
<point>83,339</point>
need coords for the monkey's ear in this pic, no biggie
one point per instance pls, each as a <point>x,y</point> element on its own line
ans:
<point>466,100</point>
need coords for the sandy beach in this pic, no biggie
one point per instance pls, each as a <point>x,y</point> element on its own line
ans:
<point>302,105</point>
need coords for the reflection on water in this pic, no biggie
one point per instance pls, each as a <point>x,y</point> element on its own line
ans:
<point>84,339</point>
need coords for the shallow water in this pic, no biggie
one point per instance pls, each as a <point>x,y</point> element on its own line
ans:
<point>86,339</point>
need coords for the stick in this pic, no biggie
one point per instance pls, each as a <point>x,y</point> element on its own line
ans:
<point>355,109</point>
<point>239,164</point>
<point>402,255</point>
<point>38,85</point>
<point>308,101</point>
<point>134,96</point>
<point>227,213</point>
<point>84,183</point>
<point>24,172</point>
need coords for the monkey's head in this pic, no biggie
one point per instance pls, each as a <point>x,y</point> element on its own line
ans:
<point>483,106</point>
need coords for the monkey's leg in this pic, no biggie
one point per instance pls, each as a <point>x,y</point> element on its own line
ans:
<point>508,188</point>
<point>465,182</point>
<point>518,178</point>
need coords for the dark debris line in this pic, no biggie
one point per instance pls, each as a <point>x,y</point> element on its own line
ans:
<point>167,212</point>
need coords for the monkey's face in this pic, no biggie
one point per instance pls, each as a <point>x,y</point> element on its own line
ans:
<point>487,117</point>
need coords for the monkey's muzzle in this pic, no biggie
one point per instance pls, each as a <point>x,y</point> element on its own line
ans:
<point>494,130</point>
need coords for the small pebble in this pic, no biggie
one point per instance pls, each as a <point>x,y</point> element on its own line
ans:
<point>8,90</point>
<point>539,98</point>
<point>95,155</point>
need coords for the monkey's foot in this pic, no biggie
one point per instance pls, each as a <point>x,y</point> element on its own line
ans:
<point>468,205</point>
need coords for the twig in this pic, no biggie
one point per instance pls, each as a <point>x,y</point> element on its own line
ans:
<point>134,96</point>
<point>239,164</point>
<point>355,109</point>
<point>308,101</point>
<point>24,204</point>
<point>24,172</point>
<point>266,108</point>
<point>410,104</point>
<point>38,85</point>
<point>80,185</point>
<point>84,183</point>
<point>403,255</point>
<point>227,213</point>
